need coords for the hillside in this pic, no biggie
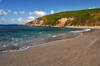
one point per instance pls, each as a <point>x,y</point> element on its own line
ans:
<point>89,17</point>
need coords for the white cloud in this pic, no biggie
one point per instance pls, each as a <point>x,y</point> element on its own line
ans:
<point>30,18</point>
<point>15,12</point>
<point>91,8</point>
<point>20,19</point>
<point>52,12</point>
<point>2,12</point>
<point>39,13</point>
<point>31,13</point>
<point>22,12</point>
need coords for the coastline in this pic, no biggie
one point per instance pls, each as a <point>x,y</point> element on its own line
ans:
<point>88,27</point>
<point>69,35</point>
<point>82,50</point>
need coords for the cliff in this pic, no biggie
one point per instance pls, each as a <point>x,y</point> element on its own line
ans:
<point>89,17</point>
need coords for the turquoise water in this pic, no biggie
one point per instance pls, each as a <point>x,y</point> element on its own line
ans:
<point>15,37</point>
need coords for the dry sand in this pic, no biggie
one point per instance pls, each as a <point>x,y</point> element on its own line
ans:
<point>79,51</point>
<point>91,27</point>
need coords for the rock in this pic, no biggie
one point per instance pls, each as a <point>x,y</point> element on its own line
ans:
<point>62,21</point>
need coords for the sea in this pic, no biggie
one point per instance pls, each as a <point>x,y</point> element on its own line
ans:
<point>20,37</point>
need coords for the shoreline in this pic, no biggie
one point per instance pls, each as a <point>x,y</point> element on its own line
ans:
<point>64,36</point>
<point>78,51</point>
<point>90,27</point>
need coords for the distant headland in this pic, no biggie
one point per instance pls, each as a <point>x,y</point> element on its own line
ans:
<point>88,17</point>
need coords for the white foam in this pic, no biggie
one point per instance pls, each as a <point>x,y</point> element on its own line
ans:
<point>81,31</point>
<point>21,49</point>
<point>87,30</point>
<point>73,32</point>
<point>53,36</point>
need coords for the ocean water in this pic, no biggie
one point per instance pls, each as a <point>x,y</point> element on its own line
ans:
<point>16,37</point>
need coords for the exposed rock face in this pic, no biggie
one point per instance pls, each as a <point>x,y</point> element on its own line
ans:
<point>30,23</point>
<point>37,22</point>
<point>62,21</point>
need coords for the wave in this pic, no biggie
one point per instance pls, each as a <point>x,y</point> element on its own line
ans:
<point>39,41</point>
<point>73,33</point>
<point>81,31</point>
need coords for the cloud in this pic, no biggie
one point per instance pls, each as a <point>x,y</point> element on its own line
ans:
<point>20,19</point>
<point>31,13</point>
<point>39,13</point>
<point>2,12</point>
<point>52,12</point>
<point>30,18</point>
<point>91,8</point>
<point>22,12</point>
<point>15,12</point>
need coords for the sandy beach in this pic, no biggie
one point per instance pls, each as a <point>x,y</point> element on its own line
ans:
<point>79,51</point>
<point>90,27</point>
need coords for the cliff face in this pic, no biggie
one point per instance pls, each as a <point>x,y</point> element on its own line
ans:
<point>62,21</point>
<point>37,22</point>
<point>41,22</point>
<point>90,17</point>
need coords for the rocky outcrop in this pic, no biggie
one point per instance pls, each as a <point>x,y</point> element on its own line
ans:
<point>62,21</point>
<point>30,23</point>
<point>36,22</point>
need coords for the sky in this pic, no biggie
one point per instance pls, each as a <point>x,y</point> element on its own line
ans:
<point>23,11</point>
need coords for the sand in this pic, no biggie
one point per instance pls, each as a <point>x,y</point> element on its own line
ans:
<point>91,27</point>
<point>79,51</point>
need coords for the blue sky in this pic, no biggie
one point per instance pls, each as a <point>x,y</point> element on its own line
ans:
<point>22,11</point>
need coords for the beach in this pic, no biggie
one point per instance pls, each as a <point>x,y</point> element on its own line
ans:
<point>83,50</point>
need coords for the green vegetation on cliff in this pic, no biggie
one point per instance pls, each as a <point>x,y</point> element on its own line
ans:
<point>89,17</point>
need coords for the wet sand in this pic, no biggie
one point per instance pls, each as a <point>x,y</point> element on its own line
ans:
<point>79,51</point>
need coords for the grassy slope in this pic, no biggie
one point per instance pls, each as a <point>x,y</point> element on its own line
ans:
<point>82,14</point>
<point>82,17</point>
